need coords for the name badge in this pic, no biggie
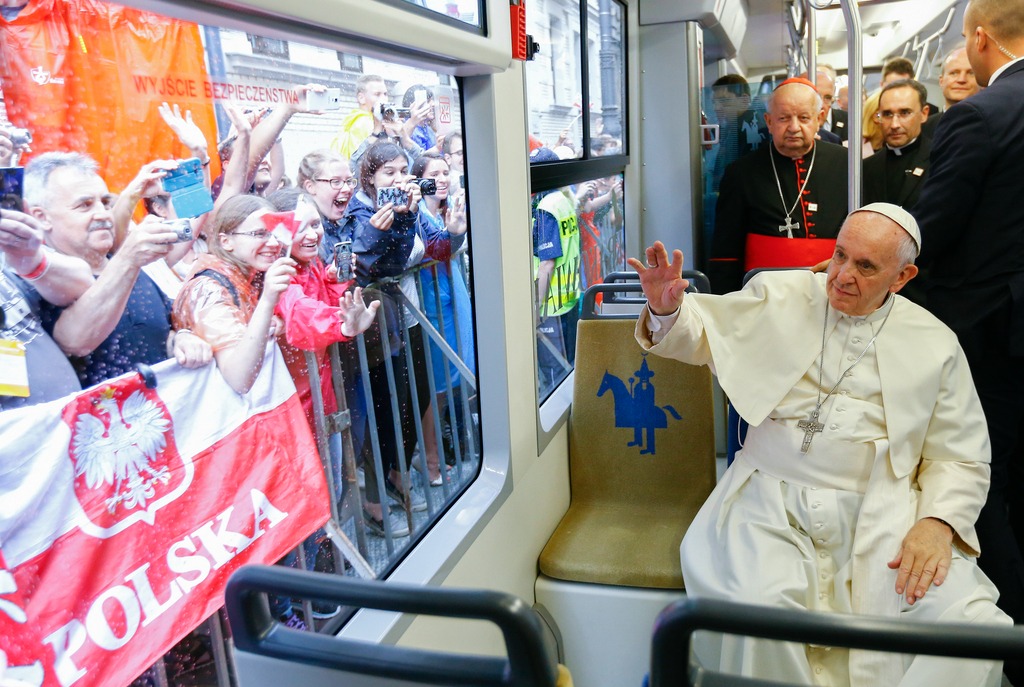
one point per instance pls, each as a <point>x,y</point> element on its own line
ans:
<point>840,125</point>
<point>812,207</point>
<point>13,369</point>
<point>917,171</point>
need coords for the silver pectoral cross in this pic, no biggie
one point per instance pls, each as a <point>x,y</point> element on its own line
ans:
<point>811,426</point>
<point>788,227</point>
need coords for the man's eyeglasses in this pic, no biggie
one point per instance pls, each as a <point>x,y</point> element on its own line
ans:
<point>336,183</point>
<point>888,115</point>
<point>260,234</point>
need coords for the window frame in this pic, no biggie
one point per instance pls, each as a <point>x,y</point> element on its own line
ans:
<point>553,412</point>
<point>443,545</point>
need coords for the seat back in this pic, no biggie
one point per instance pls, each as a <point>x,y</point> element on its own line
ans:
<point>670,651</point>
<point>267,652</point>
<point>641,459</point>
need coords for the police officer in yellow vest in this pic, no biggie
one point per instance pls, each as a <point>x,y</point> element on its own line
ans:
<point>556,268</point>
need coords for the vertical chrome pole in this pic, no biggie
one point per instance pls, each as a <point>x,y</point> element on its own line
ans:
<point>855,109</point>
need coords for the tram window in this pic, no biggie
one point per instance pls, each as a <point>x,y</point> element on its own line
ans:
<point>578,238</point>
<point>330,130</point>
<point>607,72</point>
<point>575,90</point>
<point>466,11</point>
<point>577,78</point>
<point>554,78</point>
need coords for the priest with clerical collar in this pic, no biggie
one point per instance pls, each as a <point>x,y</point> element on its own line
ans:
<point>866,462</point>
<point>896,173</point>
<point>783,204</point>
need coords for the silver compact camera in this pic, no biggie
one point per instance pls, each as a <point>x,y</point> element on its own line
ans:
<point>182,227</point>
<point>20,138</point>
<point>389,113</point>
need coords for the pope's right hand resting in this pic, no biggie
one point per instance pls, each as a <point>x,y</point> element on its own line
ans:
<point>661,280</point>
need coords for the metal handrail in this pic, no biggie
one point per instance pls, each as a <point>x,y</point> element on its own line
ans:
<point>529,662</point>
<point>670,654</point>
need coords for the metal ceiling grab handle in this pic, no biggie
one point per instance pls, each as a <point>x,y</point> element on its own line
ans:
<point>812,47</point>
<point>855,109</point>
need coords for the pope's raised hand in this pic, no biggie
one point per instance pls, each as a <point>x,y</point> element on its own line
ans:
<point>661,279</point>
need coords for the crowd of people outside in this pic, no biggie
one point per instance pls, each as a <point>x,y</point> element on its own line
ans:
<point>367,249</point>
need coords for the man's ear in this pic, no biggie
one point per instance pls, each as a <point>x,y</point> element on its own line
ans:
<point>40,214</point>
<point>906,274</point>
<point>924,113</point>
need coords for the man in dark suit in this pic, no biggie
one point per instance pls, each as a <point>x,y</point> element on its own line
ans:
<point>896,173</point>
<point>782,205</point>
<point>972,222</point>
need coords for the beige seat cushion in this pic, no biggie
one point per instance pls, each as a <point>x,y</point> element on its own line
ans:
<point>630,507</point>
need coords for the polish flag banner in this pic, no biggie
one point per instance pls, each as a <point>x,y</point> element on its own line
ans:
<point>124,509</point>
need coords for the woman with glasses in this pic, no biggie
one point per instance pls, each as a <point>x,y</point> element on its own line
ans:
<point>231,292</point>
<point>327,178</point>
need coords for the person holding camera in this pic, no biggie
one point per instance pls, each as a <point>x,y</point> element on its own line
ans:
<point>123,318</point>
<point>382,219</point>
<point>442,218</point>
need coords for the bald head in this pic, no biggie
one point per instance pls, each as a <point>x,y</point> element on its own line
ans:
<point>957,79</point>
<point>793,118</point>
<point>994,34</point>
<point>1003,19</point>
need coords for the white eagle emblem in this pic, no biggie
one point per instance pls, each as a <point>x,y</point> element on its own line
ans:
<point>116,446</point>
<point>39,75</point>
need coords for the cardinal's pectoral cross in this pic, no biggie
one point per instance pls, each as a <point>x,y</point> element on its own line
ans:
<point>811,426</point>
<point>788,227</point>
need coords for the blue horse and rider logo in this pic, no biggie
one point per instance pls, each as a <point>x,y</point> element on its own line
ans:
<point>635,406</point>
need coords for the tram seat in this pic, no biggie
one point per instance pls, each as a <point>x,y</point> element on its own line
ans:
<point>268,653</point>
<point>672,666</point>
<point>613,561</point>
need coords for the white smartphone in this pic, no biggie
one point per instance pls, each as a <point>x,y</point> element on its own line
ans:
<point>329,99</point>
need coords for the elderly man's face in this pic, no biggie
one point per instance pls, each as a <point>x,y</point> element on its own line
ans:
<point>78,213</point>
<point>793,119</point>
<point>865,266</point>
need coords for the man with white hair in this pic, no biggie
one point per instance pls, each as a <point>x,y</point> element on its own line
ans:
<point>123,318</point>
<point>782,205</point>
<point>865,464</point>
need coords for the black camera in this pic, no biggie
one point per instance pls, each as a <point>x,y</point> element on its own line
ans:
<point>428,187</point>
<point>388,112</point>
<point>19,137</point>
<point>182,227</point>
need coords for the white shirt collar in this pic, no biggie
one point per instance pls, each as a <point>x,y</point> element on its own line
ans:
<point>899,151</point>
<point>996,74</point>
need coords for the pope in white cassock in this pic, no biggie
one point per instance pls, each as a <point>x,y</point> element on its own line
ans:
<point>865,465</point>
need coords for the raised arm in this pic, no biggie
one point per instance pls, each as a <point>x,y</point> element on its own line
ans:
<point>86,323</point>
<point>59,279</point>
<point>240,364</point>
<point>661,279</point>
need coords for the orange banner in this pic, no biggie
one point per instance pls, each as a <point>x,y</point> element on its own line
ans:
<point>70,71</point>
